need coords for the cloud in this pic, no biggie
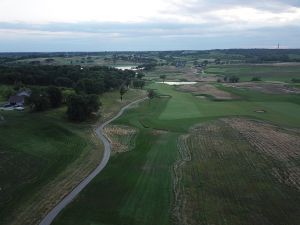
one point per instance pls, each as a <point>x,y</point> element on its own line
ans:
<point>119,21</point>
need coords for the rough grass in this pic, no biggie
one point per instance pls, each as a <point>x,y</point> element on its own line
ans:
<point>227,181</point>
<point>267,72</point>
<point>122,138</point>
<point>34,150</point>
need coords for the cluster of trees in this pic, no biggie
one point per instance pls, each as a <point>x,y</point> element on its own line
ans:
<point>45,98</point>
<point>231,79</point>
<point>256,79</point>
<point>295,80</point>
<point>83,85</point>
<point>80,107</point>
<point>105,78</point>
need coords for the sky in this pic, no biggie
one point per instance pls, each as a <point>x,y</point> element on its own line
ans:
<point>144,25</point>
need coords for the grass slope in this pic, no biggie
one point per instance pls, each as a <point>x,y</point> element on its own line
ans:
<point>43,153</point>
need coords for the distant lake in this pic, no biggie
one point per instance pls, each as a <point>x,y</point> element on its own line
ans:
<point>176,82</point>
<point>126,67</point>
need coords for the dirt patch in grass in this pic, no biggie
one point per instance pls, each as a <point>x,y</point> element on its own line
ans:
<point>158,132</point>
<point>207,89</point>
<point>121,137</point>
<point>260,111</point>
<point>269,88</point>
<point>281,144</point>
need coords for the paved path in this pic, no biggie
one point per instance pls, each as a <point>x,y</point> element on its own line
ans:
<point>107,149</point>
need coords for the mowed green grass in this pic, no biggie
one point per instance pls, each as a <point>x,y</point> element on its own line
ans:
<point>279,109</point>
<point>135,187</point>
<point>267,72</point>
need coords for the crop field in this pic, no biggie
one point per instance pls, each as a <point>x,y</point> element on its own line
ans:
<point>270,88</point>
<point>191,164</point>
<point>208,90</point>
<point>228,181</point>
<point>274,72</point>
<point>42,154</point>
<point>173,73</point>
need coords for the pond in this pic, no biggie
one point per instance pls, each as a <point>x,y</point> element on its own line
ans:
<point>126,67</point>
<point>177,82</point>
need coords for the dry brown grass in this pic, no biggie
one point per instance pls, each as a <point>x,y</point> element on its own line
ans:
<point>270,88</point>
<point>283,145</point>
<point>207,89</point>
<point>120,137</point>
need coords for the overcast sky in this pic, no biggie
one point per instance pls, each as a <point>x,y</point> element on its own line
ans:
<point>105,25</point>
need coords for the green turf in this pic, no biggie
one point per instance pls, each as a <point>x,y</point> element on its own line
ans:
<point>278,109</point>
<point>35,148</point>
<point>133,184</point>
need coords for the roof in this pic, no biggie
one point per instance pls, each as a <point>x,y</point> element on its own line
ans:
<point>16,99</point>
<point>24,93</point>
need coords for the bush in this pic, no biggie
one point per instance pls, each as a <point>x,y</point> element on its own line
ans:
<point>296,80</point>
<point>256,79</point>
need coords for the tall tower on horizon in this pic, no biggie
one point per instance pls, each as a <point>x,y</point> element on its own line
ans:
<point>278,46</point>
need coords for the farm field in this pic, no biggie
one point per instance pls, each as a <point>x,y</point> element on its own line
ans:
<point>42,154</point>
<point>183,150</point>
<point>227,181</point>
<point>267,72</point>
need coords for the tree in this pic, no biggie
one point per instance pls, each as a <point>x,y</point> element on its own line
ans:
<point>138,84</point>
<point>256,79</point>
<point>234,79</point>
<point>76,108</point>
<point>80,107</point>
<point>92,103</point>
<point>55,96</point>
<point>163,77</point>
<point>38,100</point>
<point>64,82</point>
<point>151,94</point>
<point>140,75</point>
<point>7,91</point>
<point>90,86</point>
<point>123,90</point>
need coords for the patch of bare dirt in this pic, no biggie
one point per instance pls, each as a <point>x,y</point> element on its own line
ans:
<point>281,144</point>
<point>207,89</point>
<point>159,132</point>
<point>120,137</point>
<point>270,88</point>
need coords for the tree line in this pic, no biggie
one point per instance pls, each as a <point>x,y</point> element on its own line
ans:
<point>82,86</point>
